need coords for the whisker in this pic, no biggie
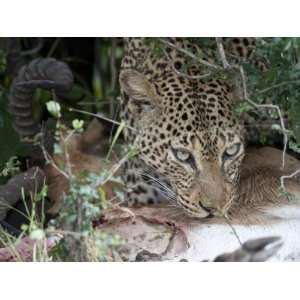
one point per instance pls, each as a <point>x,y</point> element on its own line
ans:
<point>157,181</point>
<point>152,170</point>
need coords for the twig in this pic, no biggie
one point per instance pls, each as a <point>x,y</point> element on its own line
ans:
<point>275,86</point>
<point>283,178</point>
<point>239,68</point>
<point>53,47</point>
<point>100,117</point>
<point>221,50</point>
<point>114,169</point>
<point>121,208</point>
<point>179,73</point>
<point>272,106</point>
<point>233,230</point>
<point>192,77</point>
<point>190,54</point>
<point>49,160</point>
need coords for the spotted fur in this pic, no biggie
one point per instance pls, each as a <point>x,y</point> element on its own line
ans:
<point>190,144</point>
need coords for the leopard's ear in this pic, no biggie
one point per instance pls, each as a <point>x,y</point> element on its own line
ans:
<point>137,86</point>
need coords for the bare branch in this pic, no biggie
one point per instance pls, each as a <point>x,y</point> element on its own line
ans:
<point>179,73</point>
<point>240,69</point>
<point>50,161</point>
<point>190,54</point>
<point>192,77</point>
<point>101,117</point>
<point>275,86</point>
<point>283,178</point>
<point>233,230</point>
<point>114,169</point>
<point>271,106</point>
<point>221,50</point>
<point>100,103</point>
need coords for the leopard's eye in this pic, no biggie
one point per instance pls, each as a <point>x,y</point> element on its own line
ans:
<point>182,155</point>
<point>232,150</point>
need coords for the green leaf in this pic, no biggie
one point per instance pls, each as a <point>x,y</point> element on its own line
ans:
<point>78,124</point>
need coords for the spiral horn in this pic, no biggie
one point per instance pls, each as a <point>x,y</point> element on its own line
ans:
<point>45,73</point>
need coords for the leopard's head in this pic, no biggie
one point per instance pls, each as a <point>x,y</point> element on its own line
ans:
<point>188,133</point>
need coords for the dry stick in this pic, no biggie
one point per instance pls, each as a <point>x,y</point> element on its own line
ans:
<point>282,178</point>
<point>46,155</point>
<point>275,86</point>
<point>190,54</point>
<point>179,73</point>
<point>221,50</point>
<point>233,230</point>
<point>272,106</point>
<point>100,103</point>
<point>53,47</point>
<point>192,77</point>
<point>121,208</point>
<point>114,169</point>
<point>226,65</point>
<point>49,160</point>
<point>100,117</point>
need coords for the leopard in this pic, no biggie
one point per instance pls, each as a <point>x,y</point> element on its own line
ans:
<point>190,144</point>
